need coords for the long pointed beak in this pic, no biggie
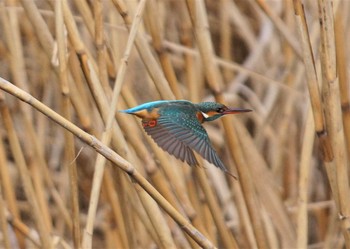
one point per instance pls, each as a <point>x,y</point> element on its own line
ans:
<point>235,110</point>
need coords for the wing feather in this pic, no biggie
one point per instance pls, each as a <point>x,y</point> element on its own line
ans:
<point>178,132</point>
<point>169,143</point>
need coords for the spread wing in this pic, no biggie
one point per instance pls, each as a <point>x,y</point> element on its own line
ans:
<point>179,132</point>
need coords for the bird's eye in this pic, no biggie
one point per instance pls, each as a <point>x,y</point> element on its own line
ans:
<point>220,110</point>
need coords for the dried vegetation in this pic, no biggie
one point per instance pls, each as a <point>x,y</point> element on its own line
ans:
<point>86,176</point>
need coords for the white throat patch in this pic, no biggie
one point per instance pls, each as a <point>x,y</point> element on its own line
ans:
<point>205,115</point>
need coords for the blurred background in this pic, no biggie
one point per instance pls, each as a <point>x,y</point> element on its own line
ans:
<point>285,60</point>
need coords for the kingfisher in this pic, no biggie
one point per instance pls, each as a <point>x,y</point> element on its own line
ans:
<point>176,126</point>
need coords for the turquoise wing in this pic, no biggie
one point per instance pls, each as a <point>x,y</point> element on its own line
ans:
<point>178,132</point>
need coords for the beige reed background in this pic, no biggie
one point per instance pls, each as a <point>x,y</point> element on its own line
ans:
<point>76,173</point>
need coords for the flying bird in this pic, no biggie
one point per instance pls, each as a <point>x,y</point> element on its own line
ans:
<point>176,126</point>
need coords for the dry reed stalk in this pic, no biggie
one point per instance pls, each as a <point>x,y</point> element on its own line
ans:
<point>112,156</point>
<point>146,54</point>
<point>7,186</point>
<point>157,220</point>
<point>179,188</point>
<point>234,66</point>
<point>100,45</point>
<point>69,138</point>
<point>44,36</point>
<point>200,22</point>
<point>157,42</point>
<point>46,41</point>
<point>305,162</point>
<point>106,136</point>
<point>20,227</point>
<point>312,82</point>
<point>266,75</point>
<point>125,193</point>
<point>226,237</point>
<point>3,222</point>
<point>339,29</point>
<point>225,33</point>
<point>45,238</point>
<point>281,26</point>
<point>339,165</point>
<point>267,189</point>
<point>80,102</point>
<point>116,209</point>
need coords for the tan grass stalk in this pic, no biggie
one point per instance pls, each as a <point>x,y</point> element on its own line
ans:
<point>80,102</point>
<point>225,36</point>
<point>86,15</point>
<point>46,41</point>
<point>145,53</point>
<point>341,50</point>
<point>312,82</point>
<point>244,218</point>
<point>112,156</point>
<point>200,23</point>
<point>7,185</point>
<point>281,26</point>
<point>45,237</point>
<point>155,29</point>
<point>69,138</point>
<point>100,45</point>
<point>178,186</point>
<point>267,189</point>
<point>3,222</point>
<point>235,67</point>
<point>114,200</point>
<point>106,136</point>
<point>157,220</point>
<point>44,36</point>
<point>227,239</point>
<point>125,193</point>
<point>28,233</point>
<point>331,95</point>
<point>304,182</point>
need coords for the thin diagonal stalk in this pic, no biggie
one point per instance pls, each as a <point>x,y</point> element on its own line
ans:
<point>110,155</point>
<point>106,136</point>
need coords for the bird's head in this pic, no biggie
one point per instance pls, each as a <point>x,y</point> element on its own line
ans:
<point>213,110</point>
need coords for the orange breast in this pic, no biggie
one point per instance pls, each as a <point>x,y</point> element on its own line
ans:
<point>200,117</point>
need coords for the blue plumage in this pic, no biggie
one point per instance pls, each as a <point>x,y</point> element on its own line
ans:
<point>175,125</point>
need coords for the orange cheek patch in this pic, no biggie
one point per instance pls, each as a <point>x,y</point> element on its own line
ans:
<point>211,113</point>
